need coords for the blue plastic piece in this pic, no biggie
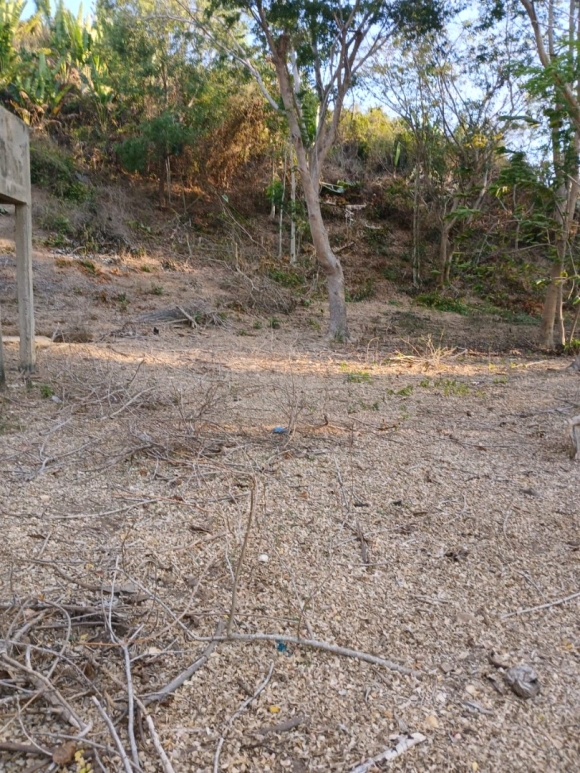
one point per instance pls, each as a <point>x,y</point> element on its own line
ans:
<point>280,431</point>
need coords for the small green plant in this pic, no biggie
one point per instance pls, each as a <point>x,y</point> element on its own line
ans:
<point>123,301</point>
<point>286,278</point>
<point>88,266</point>
<point>46,391</point>
<point>359,377</point>
<point>274,323</point>
<point>257,325</point>
<point>441,303</point>
<point>145,268</point>
<point>369,406</point>
<point>404,392</point>
<point>157,290</point>
<point>425,383</point>
<point>314,323</point>
<point>361,293</point>
<point>392,275</point>
<point>500,380</point>
<point>573,346</point>
<point>451,387</point>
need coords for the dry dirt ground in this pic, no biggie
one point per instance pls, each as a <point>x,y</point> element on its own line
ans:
<point>421,506</point>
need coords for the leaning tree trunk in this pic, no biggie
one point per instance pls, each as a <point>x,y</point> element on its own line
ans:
<point>309,168</point>
<point>338,328</point>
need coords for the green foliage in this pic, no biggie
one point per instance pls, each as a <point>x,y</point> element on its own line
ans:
<point>359,377</point>
<point>362,292</point>
<point>374,138</point>
<point>441,303</point>
<point>54,170</point>
<point>451,387</point>
<point>288,278</point>
<point>46,391</point>
<point>275,192</point>
<point>156,140</point>
<point>404,392</point>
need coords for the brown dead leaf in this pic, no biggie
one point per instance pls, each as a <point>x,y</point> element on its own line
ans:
<point>65,754</point>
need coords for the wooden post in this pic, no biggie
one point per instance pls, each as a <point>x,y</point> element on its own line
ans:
<point>24,278</point>
<point>2,369</point>
<point>15,189</point>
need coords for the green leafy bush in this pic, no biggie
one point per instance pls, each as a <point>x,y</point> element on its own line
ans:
<point>54,170</point>
<point>441,303</point>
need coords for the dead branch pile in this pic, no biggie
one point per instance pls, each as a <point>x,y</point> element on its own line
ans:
<point>196,313</point>
<point>260,294</point>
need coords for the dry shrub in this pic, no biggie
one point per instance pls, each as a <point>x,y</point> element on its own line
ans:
<point>75,333</point>
<point>260,294</point>
<point>242,135</point>
<point>195,312</point>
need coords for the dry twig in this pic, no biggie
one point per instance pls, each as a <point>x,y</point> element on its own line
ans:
<point>547,605</point>
<point>114,735</point>
<point>46,687</point>
<point>234,716</point>
<point>404,743</point>
<point>160,695</point>
<point>242,556</point>
<point>165,763</point>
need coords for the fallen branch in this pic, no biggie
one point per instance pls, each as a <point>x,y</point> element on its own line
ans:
<point>404,743</point>
<point>165,762</point>
<point>241,558</point>
<point>46,687</point>
<point>114,735</point>
<point>547,605</point>
<point>160,695</point>
<point>131,708</point>
<point>321,645</point>
<point>234,716</point>
<point>8,746</point>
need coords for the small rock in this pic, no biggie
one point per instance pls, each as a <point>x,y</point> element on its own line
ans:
<point>432,721</point>
<point>446,667</point>
<point>524,681</point>
<point>263,558</point>
<point>498,659</point>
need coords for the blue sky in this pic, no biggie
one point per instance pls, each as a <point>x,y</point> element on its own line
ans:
<point>73,5</point>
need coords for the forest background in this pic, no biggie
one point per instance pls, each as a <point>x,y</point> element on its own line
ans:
<point>453,175</point>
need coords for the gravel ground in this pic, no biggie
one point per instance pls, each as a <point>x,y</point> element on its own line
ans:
<point>412,505</point>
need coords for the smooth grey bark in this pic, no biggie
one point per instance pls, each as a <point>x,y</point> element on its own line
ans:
<point>309,162</point>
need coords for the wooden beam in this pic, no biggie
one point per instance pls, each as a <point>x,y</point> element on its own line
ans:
<point>2,368</point>
<point>25,292</point>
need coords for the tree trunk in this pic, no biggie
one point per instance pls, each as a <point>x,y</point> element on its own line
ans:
<point>550,310</point>
<point>444,260</point>
<point>416,252</point>
<point>292,209</point>
<point>309,169</point>
<point>162,177</point>
<point>338,328</point>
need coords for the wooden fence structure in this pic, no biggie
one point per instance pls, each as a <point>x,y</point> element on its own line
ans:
<point>15,189</point>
